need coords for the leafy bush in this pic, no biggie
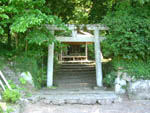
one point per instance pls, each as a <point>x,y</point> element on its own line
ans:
<point>136,68</point>
<point>22,80</point>
<point>1,110</point>
<point>109,79</point>
<point>11,96</point>
<point>129,34</point>
<point>109,74</point>
<point>30,64</point>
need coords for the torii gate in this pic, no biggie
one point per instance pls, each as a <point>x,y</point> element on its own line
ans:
<point>77,38</point>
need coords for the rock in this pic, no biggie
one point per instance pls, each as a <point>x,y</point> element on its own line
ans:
<point>47,101</point>
<point>139,89</point>
<point>34,99</point>
<point>58,102</point>
<point>10,74</point>
<point>105,101</point>
<point>119,83</point>
<point>118,100</point>
<point>71,101</point>
<point>28,77</point>
<point>87,101</point>
<point>126,77</point>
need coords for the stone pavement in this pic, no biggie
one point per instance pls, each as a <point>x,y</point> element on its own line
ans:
<point>124,107</point>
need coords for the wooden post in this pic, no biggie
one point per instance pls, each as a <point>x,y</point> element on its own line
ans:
<point>50,64</point>
<point>86,51</point>
<point>74,31</point>
<point>61,55</point>
<point>98,59</point>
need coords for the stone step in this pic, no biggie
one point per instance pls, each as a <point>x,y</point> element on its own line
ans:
<point>74,70</point>
<point>76,87</point>
<point>77,66</point>
<point>74,74</point>
<point>77,73</point>
<point>74,77</point>
<point>75,97</point>
<point>74,84</point>
<point>77,62</point>
<point>74,64</point>
<point>74,80</point>
<point>71,78</point>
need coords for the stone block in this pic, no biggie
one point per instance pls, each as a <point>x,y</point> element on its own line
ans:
<point>28,77</point>
<point>72,101</point>
<point>87,101</point>
<point>139,89</point>
<point>58,101</point>
<point>119,83</point>
<point>105,101</point>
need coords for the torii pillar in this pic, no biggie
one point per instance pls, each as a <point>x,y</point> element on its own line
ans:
<point>50,64</point>
<point>99,75</point>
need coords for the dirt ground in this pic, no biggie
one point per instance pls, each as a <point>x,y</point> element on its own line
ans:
<point>123,107</point>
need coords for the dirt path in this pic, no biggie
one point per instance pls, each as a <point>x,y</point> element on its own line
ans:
<point>124,107</point>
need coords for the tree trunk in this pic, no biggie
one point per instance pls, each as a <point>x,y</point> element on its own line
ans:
<point>9,39</point>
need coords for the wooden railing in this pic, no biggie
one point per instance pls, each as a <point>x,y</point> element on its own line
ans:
<point>73,58</point>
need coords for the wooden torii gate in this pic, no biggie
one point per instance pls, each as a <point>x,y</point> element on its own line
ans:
<point>96,38</point>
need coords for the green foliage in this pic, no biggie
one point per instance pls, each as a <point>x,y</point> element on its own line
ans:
<point>141,1</point>
<point>11,96</point>
<point>27,17</point>
<point>28,94</point>
<point>9,110</point>
<point>12,85</point>
<point>91,52</point>
<point>40,36</point>
<point>71,11</point>
<point>109,74</point>
<point>23,81</point>
<point>1,110</point>
<point>2,63</point>
<point>81,11</point>
<point>129,33</point>
<point>109,79</point>
<point>52,87</point>
<point>135,68</point>
<point>30,64</point>
<point>98,10</point>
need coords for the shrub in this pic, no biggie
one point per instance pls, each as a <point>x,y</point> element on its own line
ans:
<point>138,69</point>
<point>109,79</point>
<point>129,34</point>
<point>109,74</point>
<point>11,96</point>
<point>1,110</point>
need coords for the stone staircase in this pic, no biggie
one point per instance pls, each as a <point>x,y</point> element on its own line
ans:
<point>75,76</point>
<point>75,84</point>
